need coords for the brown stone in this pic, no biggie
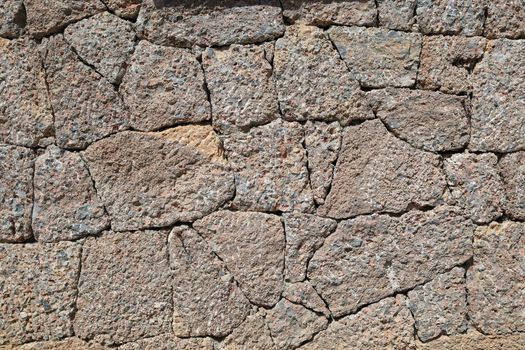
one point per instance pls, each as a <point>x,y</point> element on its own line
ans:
<point>66,344</point>
<point>12,18</point>
<point>312,81</point>
<point>252,334</point>
<point>396,14</point>
<point>171,81</point>
<point>324,13</point>
<point>371,257</point>
<point>124,288</point>
<point>169,342</point>
<point>128,9</point>
<point>495,282</point>
<point>474,340</point>
<point>461,17</point>
<point>206,299</point>
<point>304,294</point>
<point>377,172</point>
<point>505,18</point>
<point>512,171</point>
<point>38,288</point>
<point>237,238</point>
<point>16,189</point>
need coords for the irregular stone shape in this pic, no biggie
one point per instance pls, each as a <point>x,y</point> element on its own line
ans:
<point>66,205</point>
<point>378,57</point>
<point>86,106</point>
<point>396,14</point>
<point>447,62</point>
<point>124,288</point>
<point>169,342</point>
<point>461,17</point>
<point>305,233</point>
<point>312,82</point>
<point>26,118</point>
<point>498,117</point>
<point>38,288</point>
<point>212,23</point>
<point>474,340</point>
<point>475,185</point>
<point>384,325</point>
<point>371,257</point>
<point>251,245</point>
<point>323,142</point>
<point>105,42</point>
<point>12,18</point>
<point>505,18</point>
<point>324,13</point>
<point>241,87</point>
<point>495,282</point>
<point>291,324</point>
<point>427,120</point>
<point>16,193</point>
<point>66,344</point>
<point>440,306</point>
<point>376,172</point>
<point>512,171</point>
<point>48,17</point>
<point>270,168</point>
<point>206,300</point>
<point>128,9</point>
<point>303,293</point>
<point>158,179</point>
<point>252,334</point>
<point>172,82</point>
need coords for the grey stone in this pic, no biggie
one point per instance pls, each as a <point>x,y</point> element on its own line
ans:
<point>312,82</point>
<point>371,257</point>
<point>325,13</point>
<point>38,288</point>
<point>211,23</point>
<point>169,342</point>
<point>512,171</point>
<point>304,294</point>
<point>377,172</point>
<point>396,14</point>
<point>505,18</point>
<point>252,334</point>
<point>242,90</point>
<point>473,340</point>
<point>428,120</point>
<point>206,299</point>
<point>66,205</point>
<point>16,193</point>
<point>128,9</point>
<point>12,18</point>
<point>124,288</point>
<point>171,81</point>
<point>378,57</point>
<point>238,237</point>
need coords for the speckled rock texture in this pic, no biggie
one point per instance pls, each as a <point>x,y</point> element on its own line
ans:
<point>262,174</point>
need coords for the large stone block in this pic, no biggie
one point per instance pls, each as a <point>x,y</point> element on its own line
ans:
<point>461,17</point>
<point>512,171</point>
<point>324,13</point>
<point>473,340</point>
<point>505,18</point>
<point>396,14</point>
<point>252,334</point>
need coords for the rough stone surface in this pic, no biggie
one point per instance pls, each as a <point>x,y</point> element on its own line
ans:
<point>26,118</point>
<point>447,62</point>
<point>252,334</point>
<point>105,42</point>
<point>378,57</point>
<point>387,324</point>
<point>312,81</point>
<point>86,106</point>
<point>425,119</point>
<point>512,171</point>
<point>66,344</point>
<point>157,179</point>
<point>12,18</point>
<point>368,178</point>
<point>128,9</point>
<point>206,299</point>
<point>38,289</point>
<point>305,233</point>
<point>16,193</point>
<point>505,18</point>
<point>396,14</point>
<point>474,340</point>
<point>475,185</point>
<point>270,166</point>
<point>324,13</point>
<point>212,23</point>
<point>440,306</point>
<point>172,82</point>
<point>48,17</point>
<point>304,294</point>
<point>495,281</point>
<point>241,87</point>
<point>252,247</point>
<point>371,257</point>
<point>498,116</point>
<point>292,324</point>
<point>462,17</point>
<point>322,142</point>
<point>169,342</point>
<point>124,287</point>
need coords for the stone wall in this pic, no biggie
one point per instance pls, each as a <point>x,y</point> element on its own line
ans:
<point>262,174</point>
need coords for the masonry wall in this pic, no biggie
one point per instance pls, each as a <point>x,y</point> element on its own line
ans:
<point>262,174</point>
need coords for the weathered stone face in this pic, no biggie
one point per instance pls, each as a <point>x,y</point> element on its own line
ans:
<point>505,18</point>
<point>303,293</point>
<point>325,13</point>
<point>396,14</point>
<point>213,23</point>
<point>128,9</point>
<point>169,342</point>
<point>253,333</point>
<point>473,340</point>
<point>512,171</point>
<point>378,57</point>
<point>462,17</point>
<point>124,287</point>
<point>38,288</point>
<point>12,18</point>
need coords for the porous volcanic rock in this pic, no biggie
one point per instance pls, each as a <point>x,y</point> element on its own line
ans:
<point>66,344</point>
<point>128,9</point>
<point>473,340</point>
<point>462,17</point>
<point>512,171</point>
<point>396,14</point>
<point>304,294</point>
<point>505,18</point>
<point>12,18</point>
<point>169,342</point>
<point>252,334</point>
<point>324,13</point>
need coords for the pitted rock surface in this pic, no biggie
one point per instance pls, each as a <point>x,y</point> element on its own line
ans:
<point>323,13</point>
<point>253,333</point>
<point>473,340</point>
<point>512,171</point>
<point>396,14</point>
<point>12,18</point>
